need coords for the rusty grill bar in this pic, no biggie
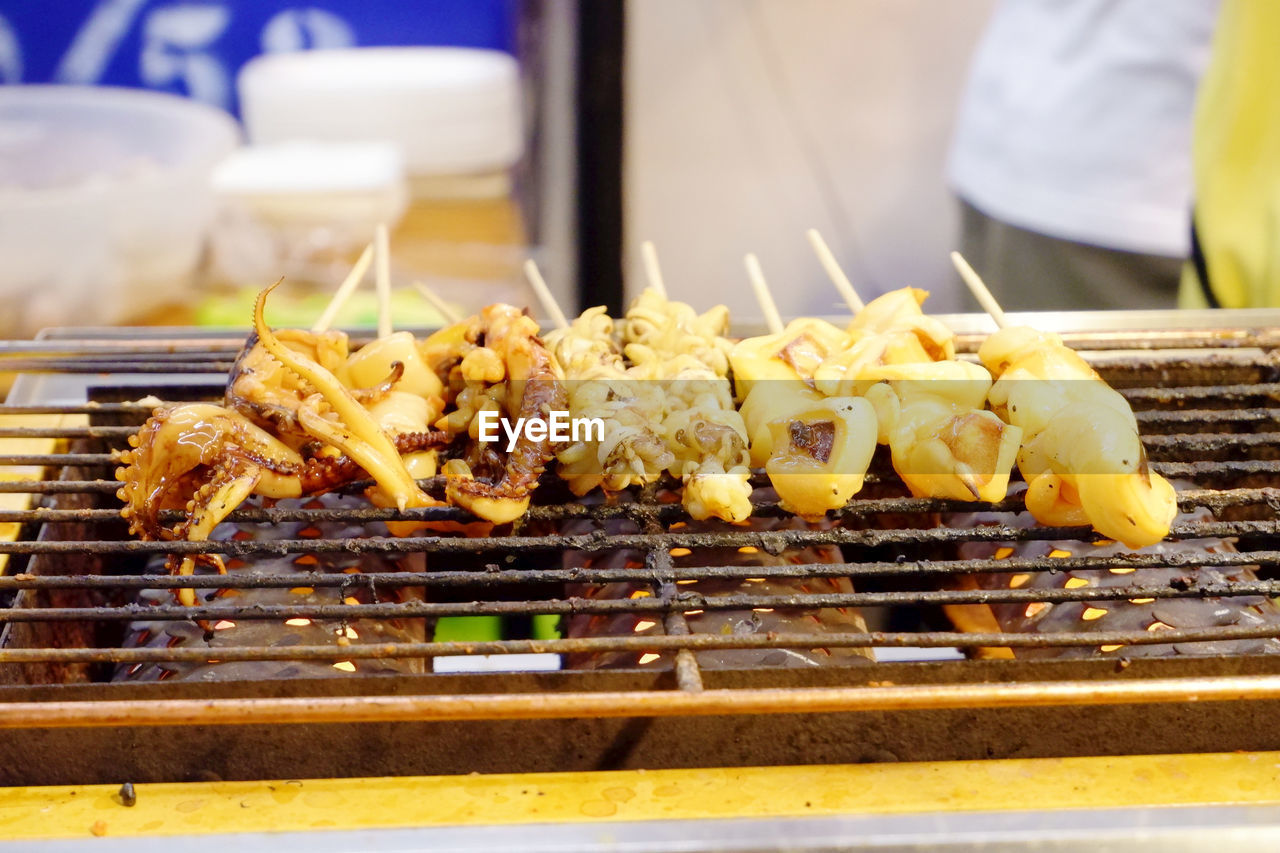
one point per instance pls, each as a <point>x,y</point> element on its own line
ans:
<point>1208,401</point>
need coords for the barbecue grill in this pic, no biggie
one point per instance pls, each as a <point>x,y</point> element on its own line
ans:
<point>1206,390</point>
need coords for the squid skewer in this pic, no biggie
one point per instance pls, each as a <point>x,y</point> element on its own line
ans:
<point>1081,455</point>
<point>706,435</point>
<point>630,452</point>
<point>815,449</point>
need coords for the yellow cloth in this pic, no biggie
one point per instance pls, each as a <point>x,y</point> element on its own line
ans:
<point>1237,160</point>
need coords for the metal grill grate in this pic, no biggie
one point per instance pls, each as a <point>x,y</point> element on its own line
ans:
<point>1208,401</point>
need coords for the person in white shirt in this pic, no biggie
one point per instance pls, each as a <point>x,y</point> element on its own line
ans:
<point>1072,150</point>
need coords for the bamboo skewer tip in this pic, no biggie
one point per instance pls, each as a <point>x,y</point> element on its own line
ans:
<point>544,294</point>
<point>382,277</point>
<point>979,290</point>
<point>344,291</point>
<point>834,271</point>
<point>446,311</point>
<point>772,318</point>
<point>652,271</point>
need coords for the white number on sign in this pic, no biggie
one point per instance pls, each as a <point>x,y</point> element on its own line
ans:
<point>302,29</point>
<point>10,54</point>
<point>175,42</point>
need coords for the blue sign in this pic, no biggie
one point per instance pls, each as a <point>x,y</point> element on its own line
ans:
<point>196,47</point>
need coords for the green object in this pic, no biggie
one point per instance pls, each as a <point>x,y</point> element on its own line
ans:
<point>546,626</point>
<point>468,629</point>
<point>300,310</point>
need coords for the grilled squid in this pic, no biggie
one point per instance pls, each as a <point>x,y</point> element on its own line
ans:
<point>509,370</point>
<point>1082,458</point>
<point>794,353</point>
<point>900,315</point>
<point>815,449</point>
<point>668,342</point>
<point>631,451</point>
<point>205,459</point>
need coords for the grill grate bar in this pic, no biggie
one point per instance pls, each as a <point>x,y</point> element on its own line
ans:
<point>1201,442</point>
<point>77,366</point>
<point>58,459</point>
<point>911,569</point>
<point>692,642</point>
<point>674,606</point>
<point>59,487</point>
<point>774,541</point>
<point>68,432</point>
<point>1225,393</point>
<point>1187,500</point>
<point>1167,417</point>
<point>83,409</point>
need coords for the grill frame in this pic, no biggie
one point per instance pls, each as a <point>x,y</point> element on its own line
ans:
<point>856,713</point>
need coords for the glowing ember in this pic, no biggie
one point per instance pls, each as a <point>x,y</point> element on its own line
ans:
<point>762,610</point>
<point>1058,553</point>
<point>1018,580</point>
<point>1109,648</point>
<point>223,624</point>
<point>1001,553</point>
<point>350,599</point>
<point>1122,571</point>
<point>298,622</point>
<point>1092,613</point>
<point>1102,543</point>
<point>685,582</point>
<point>302,590</point>
<point>649,657</point>
<point>748,549</point>
<point>1159,626</point>
<point>1141,600</point>
<point>350,633</point>
<point>1075,583</point>
<point>640,593</point>
<point>680,552</point>
<point>694,612</point>
<point>1035,608</point>
<point>755,580</point>
<point>345,666</point>
<point>644,625</point>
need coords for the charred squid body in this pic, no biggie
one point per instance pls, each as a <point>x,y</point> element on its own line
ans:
<point>205,460</point>
<point>334,416</point>
<point>512,369</point>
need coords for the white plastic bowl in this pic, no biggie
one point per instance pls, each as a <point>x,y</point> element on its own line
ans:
<point>105,201</point>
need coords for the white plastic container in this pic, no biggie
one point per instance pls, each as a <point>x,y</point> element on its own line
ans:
<point>455,114</point>
<point>452,111</point>
<point>104,201</point>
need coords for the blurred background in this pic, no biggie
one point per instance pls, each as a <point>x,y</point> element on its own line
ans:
<point>567,130</point>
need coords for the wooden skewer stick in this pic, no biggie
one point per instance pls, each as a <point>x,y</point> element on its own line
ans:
<point>834,272</point>
<point>344,291</point>
<point>979,290</point>
<point>383,279</point>
<point>445,310</point>
<point>771,316</point>
<point>652,272</point>
<point>548,301</point>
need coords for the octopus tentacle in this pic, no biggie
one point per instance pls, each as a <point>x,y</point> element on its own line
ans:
<point>233,480</point>
<point>533,378</point>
